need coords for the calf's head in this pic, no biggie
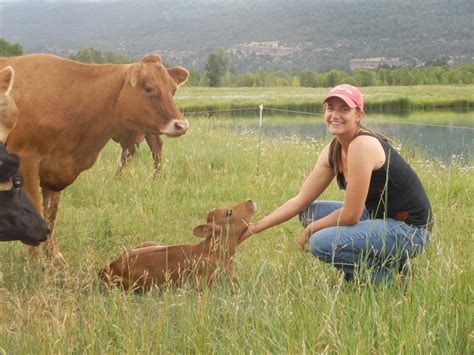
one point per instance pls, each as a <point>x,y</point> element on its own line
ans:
<point>8,109</point>
<point>228,222</point>
<point>146,103</point>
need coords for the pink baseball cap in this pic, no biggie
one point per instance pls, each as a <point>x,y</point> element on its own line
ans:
<point>349,94</point>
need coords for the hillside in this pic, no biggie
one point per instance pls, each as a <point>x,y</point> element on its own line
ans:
<point>295,34</point>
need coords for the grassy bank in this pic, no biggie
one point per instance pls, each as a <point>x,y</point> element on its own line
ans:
<point>387,98</point>
<point>287,302</point>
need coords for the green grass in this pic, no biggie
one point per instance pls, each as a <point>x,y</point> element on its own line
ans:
<point>309,99</point>
<point>287,302</point>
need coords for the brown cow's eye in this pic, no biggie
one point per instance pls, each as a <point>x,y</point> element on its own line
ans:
<point>148,89</point>
<point>228,213</point>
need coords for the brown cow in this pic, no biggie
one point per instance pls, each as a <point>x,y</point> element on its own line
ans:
<point>129,141</point>
<point>70,110</point>
<point>151,264</point>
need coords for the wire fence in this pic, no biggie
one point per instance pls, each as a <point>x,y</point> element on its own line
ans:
<point>270,109</point>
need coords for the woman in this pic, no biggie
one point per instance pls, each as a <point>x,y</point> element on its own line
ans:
<point>386,216</point>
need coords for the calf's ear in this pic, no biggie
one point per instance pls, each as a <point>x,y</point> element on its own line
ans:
<point>179,75</point>
<point>203,231</point>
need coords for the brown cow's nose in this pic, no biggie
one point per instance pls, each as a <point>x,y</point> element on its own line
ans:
<point>176,127</point>
<point>179,126</point>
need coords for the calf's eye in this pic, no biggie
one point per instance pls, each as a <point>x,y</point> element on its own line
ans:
<point>228,213</point>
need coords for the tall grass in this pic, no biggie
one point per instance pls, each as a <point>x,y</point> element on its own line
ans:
<point>287,301</point>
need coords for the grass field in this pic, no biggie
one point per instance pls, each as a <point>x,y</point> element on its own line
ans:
<point>287,301</point>
<point>309,99</point>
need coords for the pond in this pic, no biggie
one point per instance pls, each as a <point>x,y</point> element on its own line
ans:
<point>444,135</point>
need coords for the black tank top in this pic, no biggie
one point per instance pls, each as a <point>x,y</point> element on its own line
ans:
<point>395,188</point>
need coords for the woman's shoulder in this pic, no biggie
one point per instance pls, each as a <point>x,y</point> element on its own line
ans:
<point>367,148</point>
<point>365,141</point>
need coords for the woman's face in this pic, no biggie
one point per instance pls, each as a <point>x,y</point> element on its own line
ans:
<point>341,119</point>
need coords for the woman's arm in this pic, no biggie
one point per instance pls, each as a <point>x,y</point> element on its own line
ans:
<point>365,154</point>
<point>317,181</point>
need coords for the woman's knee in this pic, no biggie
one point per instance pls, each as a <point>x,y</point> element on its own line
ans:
<point>321,245</point>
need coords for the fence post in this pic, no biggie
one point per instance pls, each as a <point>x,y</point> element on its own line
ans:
<point>259,137</point>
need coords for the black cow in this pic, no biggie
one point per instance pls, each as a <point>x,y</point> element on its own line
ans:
<point>19,219</point>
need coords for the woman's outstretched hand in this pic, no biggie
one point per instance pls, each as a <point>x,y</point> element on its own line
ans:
<point>247,233</point>
<point>303,239</point>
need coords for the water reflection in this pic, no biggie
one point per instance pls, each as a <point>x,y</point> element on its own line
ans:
<point>438,134</point>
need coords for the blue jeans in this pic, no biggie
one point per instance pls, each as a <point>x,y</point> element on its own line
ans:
<point>380,245</point>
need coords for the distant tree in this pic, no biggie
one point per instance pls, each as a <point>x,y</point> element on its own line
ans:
<point>196,78</point>
<point>384,75</point>
<point>335,77</point>
<point>218,68</point>
<point>364,77</point>
<point>92,55</point>
<point>438,62</point>
<point>246,80</point>
<point>8,49</point>
<point>308,78</point>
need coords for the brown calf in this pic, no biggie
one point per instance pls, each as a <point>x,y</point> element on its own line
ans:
<point>151,264</point>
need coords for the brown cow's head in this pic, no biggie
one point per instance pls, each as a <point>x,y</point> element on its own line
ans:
<point>146,102</point>
<point>8,109</point>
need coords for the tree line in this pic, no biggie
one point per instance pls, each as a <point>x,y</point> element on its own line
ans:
<point>407,76</point>
<point>218,72</point>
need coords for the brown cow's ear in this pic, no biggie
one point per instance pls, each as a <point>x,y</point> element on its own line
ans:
<point>132,74</point>
<point>6,80</point>
<point>203,231</point>
<point>180,75</point>
<point>152,58</point>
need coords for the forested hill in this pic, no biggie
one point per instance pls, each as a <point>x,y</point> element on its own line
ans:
<point>296,34</point>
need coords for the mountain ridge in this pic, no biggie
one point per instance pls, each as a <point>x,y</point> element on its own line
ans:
<point>316,34</point>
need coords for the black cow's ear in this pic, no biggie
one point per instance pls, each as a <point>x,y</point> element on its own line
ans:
<point>9,165</point>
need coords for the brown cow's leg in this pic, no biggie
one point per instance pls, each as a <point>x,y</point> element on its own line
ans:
<point>50,211</point>
<point>128,149</point>
<point>156,144</point>
<point>30,173</point>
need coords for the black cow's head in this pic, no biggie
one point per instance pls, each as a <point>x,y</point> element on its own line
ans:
<point>18,217</point>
